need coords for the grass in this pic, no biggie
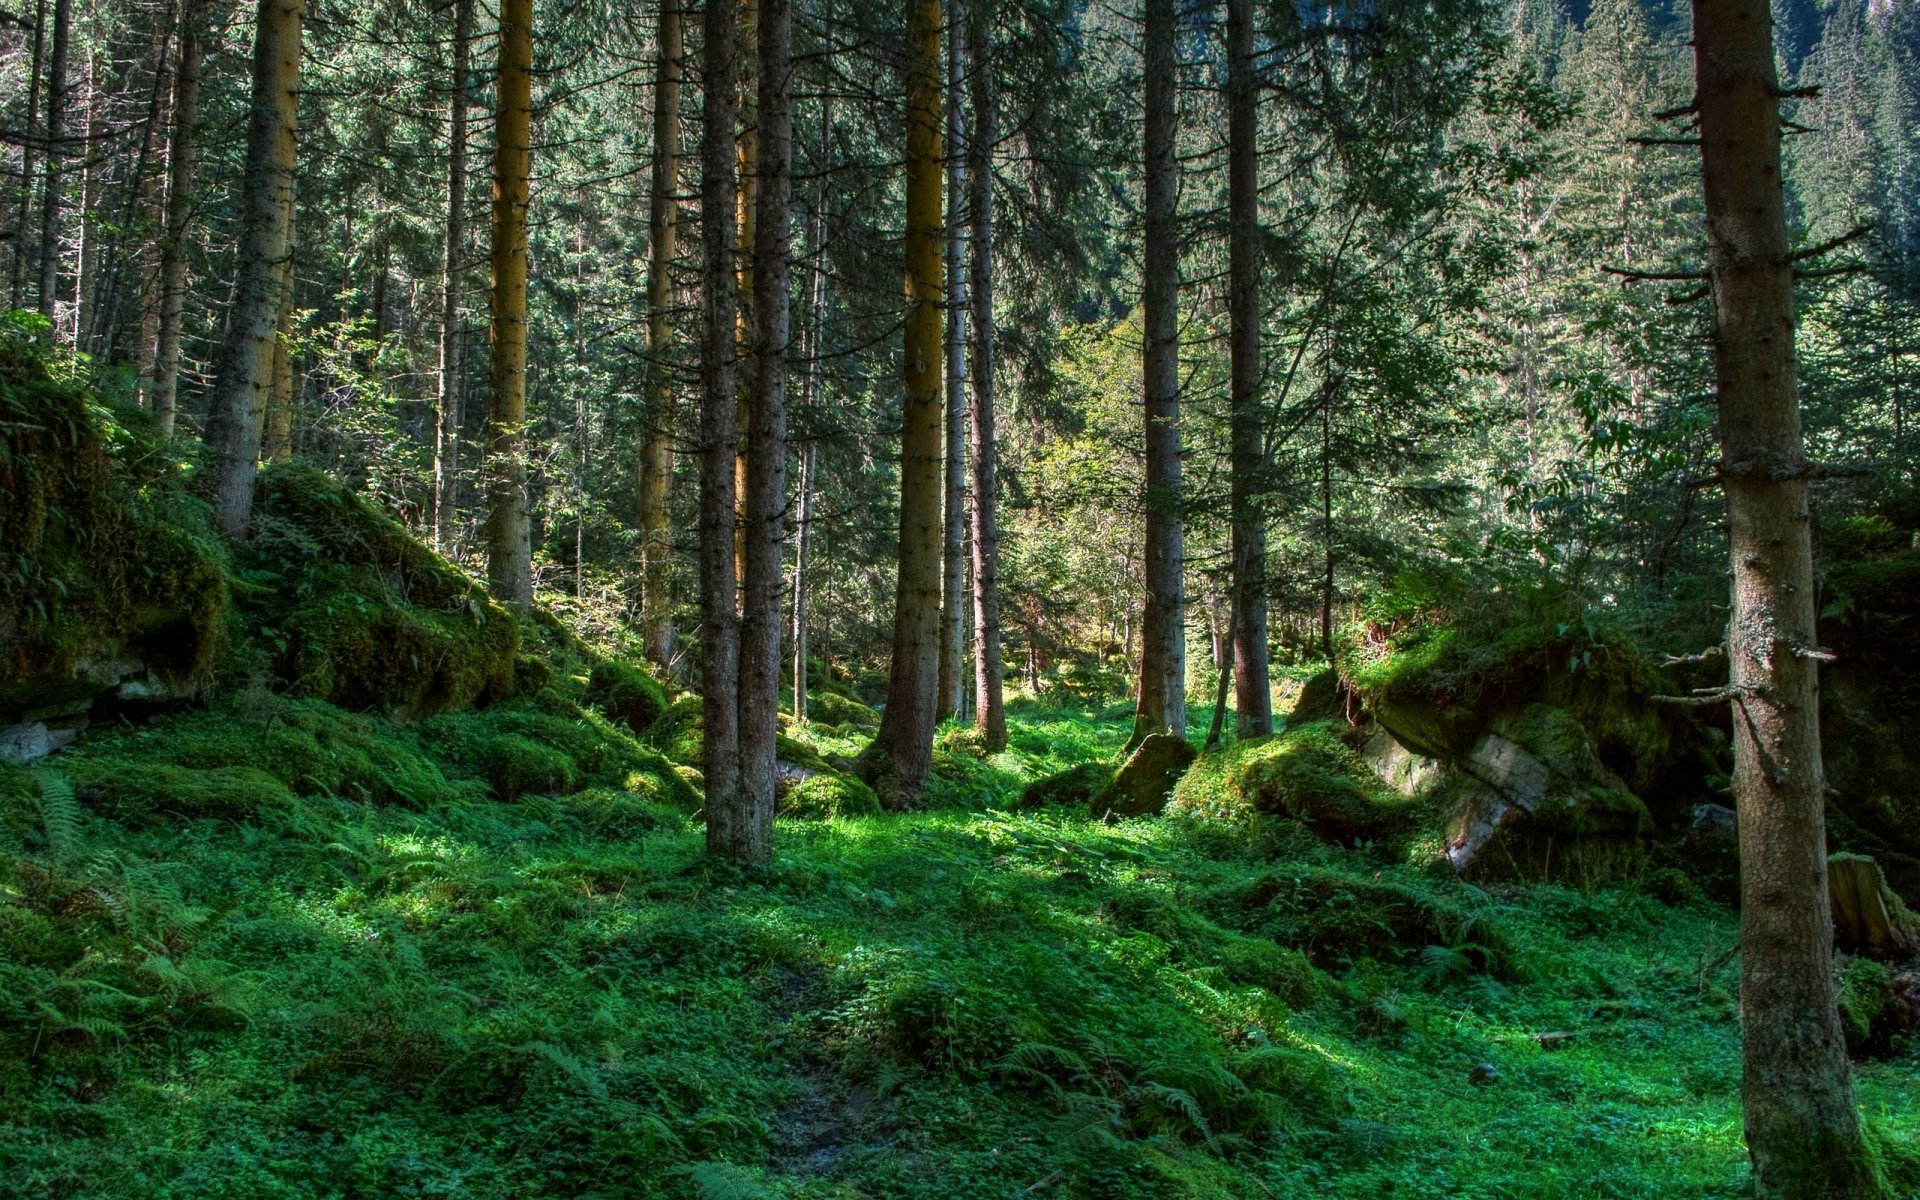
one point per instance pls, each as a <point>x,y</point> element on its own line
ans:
<point>432,992</point>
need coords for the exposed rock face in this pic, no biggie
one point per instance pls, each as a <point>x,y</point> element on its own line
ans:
<point>1144,783</point>
<point>1399,768</point>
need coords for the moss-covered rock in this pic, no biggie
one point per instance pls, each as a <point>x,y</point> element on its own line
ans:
<point>136,792</point>
<point>1144,783</point>
<point>626,693</point>
<point>519,766</point>
<point>1074,787</point>
<point>830,794</point>
<point>832,708</point>
<point>1311,774</point>
<point>359,613</point>
<point>1879,1006</point>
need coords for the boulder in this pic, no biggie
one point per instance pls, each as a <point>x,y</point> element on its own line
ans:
<point>1399,768</point>
<point>1144,783</point>
<point>1531,798</point>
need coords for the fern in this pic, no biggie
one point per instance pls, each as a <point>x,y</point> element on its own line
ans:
<point>584,1075</point>
<point>723,1181</point>
<point>59,812</point>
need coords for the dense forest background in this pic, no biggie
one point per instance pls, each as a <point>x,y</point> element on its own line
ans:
<point>1240,648</point>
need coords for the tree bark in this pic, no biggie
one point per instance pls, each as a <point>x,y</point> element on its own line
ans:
<point>719,625</point>
<point>509,533</point>
<point>905,739</point>
<point>656,448</point>
<point>765,527</point>
<point>1162,704</point>
<point>1803,1134</point>
<point>990,710</point>
<point>276,441</point>
<point>809,394</point>
<point>56,131</point>
<point>183,154</point>
<point>447,414</point>
<point>747,155</point>
<point>245,372</point>
<point>1253,692</point>
<point>953,581</point>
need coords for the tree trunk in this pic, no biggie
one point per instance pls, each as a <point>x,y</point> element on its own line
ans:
<point>765,528</point>
<point>509,535</point>
<point>953,580</point>
<point>989,710</point>
<point>27,158</point>
<point>276,442</point>
<point>719,626</point>
<point>447,407</point>
<point>1253,692</point>
<point>246,358</point>
<point>905,738</point>
<point>656,447</point>
<point>809,394</point>
<point>1162,703</point>
<point>1803,1134</point>
<point>56,131</point>
<point>183,153</point>
<point>747,155</point>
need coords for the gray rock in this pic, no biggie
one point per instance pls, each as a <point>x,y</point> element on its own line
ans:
<point>25,742</point>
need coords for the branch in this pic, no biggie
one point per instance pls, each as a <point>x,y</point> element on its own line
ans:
<point>1628,276</point>
<point>1662,141</point>
<point>1810,92</point>
<point>1827,247</point>
<point>1690,108</point>
<point>1707,655</point>
<point>1676,299</point>
<point>1704,696</point>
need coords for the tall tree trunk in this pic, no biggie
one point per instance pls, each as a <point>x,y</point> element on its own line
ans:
<point>905,739</point>
<point>276,440</point>
<point>747,156</point>
<point>990,710</point>
<point>1803,1133</point>
<point>1253,693</point>
<point>1162,703</point>
<point>953,580</point>
<point>656,447</point>
<point>719,625</point>
<point>56,133</point>
<point>183,154</point>
<point>28,149</point>
<point>765,526</point>
<point>246,359</point>
<point>509,533</point>
<point>809,394</point>
<point>447,407</point>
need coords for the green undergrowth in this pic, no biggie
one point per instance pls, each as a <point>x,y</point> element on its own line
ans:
<point>275,949</point>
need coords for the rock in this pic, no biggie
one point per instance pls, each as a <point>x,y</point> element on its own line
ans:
<point>1531,798</point>
<point>26,742</point>
<point>1076,785</point>
<point>1868,919</point>
<point>1144,783</point>
<point>1715,830</point>
<point>1483,1075</point>
<point>1879,1008</point>
<point>1399,768</point>
<point>1322,698</point>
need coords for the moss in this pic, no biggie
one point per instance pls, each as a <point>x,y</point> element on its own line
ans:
<point>1143,784</point>
<point>832,708</point>
<point>830,794</point>
<point>796,752</point>
<point>31,938</point>
<point>360,613</point>
<point>1336,918</point>
<point>1074,787</point>
<point>135,792</point>
<point>1309,773</point>
<point>627,694</point>
<point>519,766</point>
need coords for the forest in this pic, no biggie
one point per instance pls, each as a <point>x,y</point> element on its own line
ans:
<point>833,599</point>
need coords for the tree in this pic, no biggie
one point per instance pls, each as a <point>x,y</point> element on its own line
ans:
<point>719,623</point>
<point>28,129</point>
<point>1253,695</point>
<point>1162,705</point>
<point>765,509</point>
<point>656,450</point>
<point>954,595</point>
<point>183,155</point>
<point>56,153</point>
<point>1803,1134</point>
<point>903,747</point>
<point>990,711</point>
<point>245,373</point>
<point>447,407</point>
<point>509,528</point>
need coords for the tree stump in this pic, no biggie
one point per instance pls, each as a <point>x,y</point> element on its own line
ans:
<point>1868,918</point>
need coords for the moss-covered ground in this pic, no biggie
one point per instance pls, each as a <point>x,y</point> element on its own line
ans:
<point>355,969</point>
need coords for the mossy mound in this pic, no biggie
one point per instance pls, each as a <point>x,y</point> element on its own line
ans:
<point>1879,1007</point>
<point>352,609</point>
<point>627,693</point>
<point>141,792</point>
<point>830,794</point>
<point>547,744</point>
<point>1144,782</point>
<point>1311,774</point>
<point>1336,919</point>
<point>100,561</point>
<point>1074,787</point>
<point>832,708</point>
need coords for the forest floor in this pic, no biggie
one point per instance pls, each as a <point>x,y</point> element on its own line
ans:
<point>563,997</point>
